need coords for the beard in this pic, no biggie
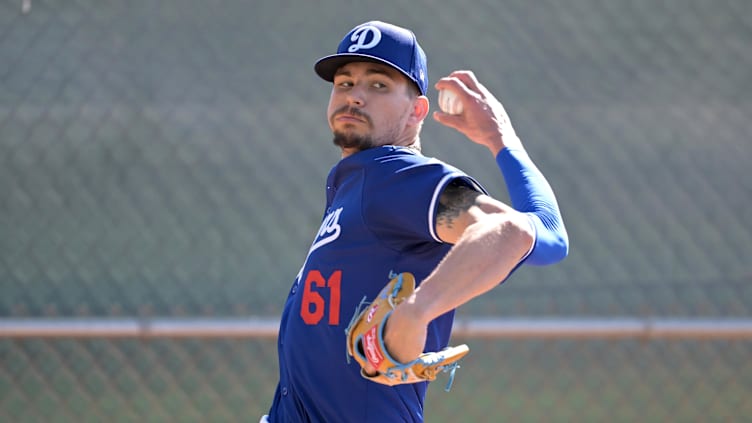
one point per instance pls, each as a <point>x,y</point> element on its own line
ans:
<point>353,141</point>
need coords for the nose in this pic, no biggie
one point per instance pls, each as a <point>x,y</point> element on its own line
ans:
<point>355,96</point>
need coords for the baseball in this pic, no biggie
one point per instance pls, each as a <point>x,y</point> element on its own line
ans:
<point>449,102</point>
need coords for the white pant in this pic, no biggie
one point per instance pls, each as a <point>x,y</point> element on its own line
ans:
<point>264,419</point>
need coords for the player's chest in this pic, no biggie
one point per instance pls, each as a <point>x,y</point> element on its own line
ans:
<point>343,221</point>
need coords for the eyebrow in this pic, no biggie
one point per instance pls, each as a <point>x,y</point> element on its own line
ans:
<point>370,71</point>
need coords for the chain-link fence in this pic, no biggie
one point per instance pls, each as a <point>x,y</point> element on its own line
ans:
<point>168,159</point>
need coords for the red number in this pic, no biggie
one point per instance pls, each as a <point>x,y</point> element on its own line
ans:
<point>334,283</point>
<point>313,307</point>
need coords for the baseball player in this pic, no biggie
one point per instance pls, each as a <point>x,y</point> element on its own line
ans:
<point>393,216</point>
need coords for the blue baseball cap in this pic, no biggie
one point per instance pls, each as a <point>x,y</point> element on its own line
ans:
<point>379,42</point>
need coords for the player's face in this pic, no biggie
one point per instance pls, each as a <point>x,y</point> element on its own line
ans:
<point>371,105</point>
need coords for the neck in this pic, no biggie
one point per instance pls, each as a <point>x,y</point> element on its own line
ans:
<point>347,152</point>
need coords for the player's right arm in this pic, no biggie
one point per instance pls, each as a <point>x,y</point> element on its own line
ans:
<point>484,121</point>
<point>490,240</point>
<point>490,237</point>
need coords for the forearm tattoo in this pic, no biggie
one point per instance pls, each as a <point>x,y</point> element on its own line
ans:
<point>456,199</point>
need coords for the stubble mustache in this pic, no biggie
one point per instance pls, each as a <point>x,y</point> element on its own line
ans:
<point>352,112</point>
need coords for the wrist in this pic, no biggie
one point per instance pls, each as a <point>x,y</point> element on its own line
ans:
<point>415,310</point>
<point>495,144</point>
<point>503,140</point>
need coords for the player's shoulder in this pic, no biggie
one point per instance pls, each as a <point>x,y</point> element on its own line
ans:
<point>413,171</point>
<point>394,157</point>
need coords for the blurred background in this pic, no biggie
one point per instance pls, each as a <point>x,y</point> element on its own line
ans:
<point>168,159</point>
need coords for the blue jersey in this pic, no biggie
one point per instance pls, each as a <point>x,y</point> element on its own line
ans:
<point>381,206</point>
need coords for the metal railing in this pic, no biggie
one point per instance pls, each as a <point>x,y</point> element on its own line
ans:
<point>474,327</point>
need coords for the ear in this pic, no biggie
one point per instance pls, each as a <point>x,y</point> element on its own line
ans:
<point>419,109</point>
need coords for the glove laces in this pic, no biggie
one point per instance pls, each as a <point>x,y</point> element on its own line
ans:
<point>363,304</point>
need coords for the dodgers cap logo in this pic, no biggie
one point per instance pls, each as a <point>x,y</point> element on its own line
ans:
<point>364,37</point>
<point>379,42</point>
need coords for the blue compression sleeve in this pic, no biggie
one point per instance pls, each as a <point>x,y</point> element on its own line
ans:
<point>531,194</point>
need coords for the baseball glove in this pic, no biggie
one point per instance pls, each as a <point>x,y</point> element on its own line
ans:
<point>365,341</point>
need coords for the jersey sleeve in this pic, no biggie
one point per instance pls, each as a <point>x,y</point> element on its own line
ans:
<point>401,199</point>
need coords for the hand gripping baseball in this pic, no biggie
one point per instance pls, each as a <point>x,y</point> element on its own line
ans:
<point>365,341</point>
<point>483,119</point>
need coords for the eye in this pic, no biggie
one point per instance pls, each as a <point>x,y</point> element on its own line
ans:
<point>380,84</point>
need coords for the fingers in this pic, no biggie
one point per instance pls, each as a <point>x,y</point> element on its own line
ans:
<point>462,82</point>
<point>469,91</point>
<point>367,367</point>
<point>454,84</point>
<point>483,119</point>
<point>369,370</point>
<point>465,85</point>
<point>468,79</point>
<point>452,121</point>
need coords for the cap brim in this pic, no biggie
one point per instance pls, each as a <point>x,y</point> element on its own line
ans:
<point>327,66</point>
